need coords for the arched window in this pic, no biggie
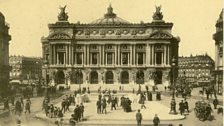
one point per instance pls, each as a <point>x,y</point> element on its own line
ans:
<point>140,77</point>
<point>93,77</point>
<point>109,77</point>
<point>124,77</point>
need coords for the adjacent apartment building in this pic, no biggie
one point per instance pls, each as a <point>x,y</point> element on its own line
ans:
<point>25,70</point>
<point>4,55</point>
<point>196,69</point>
<point>218,37</point>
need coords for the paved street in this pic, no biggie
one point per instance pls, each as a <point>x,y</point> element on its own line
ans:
<point>114,117</point>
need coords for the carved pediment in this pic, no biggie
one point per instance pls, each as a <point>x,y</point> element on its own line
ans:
<point>59,36</point>
<point>161,35</point>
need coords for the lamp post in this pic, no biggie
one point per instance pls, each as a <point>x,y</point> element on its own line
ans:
<point>46,77</point>
<point>173,103</point>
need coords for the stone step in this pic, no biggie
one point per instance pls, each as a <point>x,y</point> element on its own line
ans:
<point>117,123</point>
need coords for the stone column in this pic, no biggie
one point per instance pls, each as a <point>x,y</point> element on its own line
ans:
<point>153,62</point>
<point>119,54</point>
<point>149,55</point>
<point>134,60</point>
<point>165,54</point>
<point>131,54</point>
<point>162,58</point>
<point>84,54</point>
<point>57,58</point>
<point>66,54</point>
<point>168,48</point>
<point>115,58</point>
<point>82,58</point>
<point>128,58</point>
<point>103,57</point>
<point>106,58</point>
<point>100,55</point>
<point>72,54</point>
<point>50,52</point>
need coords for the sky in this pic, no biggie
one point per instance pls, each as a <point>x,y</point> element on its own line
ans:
<point>194,20</point>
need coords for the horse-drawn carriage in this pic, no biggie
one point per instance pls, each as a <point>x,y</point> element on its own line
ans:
<point>203,110</point>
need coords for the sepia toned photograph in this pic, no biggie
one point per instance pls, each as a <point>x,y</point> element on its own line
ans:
<point>111,62</point>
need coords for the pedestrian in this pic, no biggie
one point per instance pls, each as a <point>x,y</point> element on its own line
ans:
<point>113,103</point>
<point>104,105</point>
<point>63,104</point>
<point>181,107</point>
<point>18,108</point>
<point>138,118</point>
<point>6,103</point>
<point>207,93</point>
<point>67,104</point>
<point>72,121</point>
<point>81,110</point>
<point>13,100</point>
<point>27,106</point>
<point>51,111</point>
<point>215,103</point>
<point>186,107</point>
<point>77,113</point>
<point>60,113</point>
<point>55,111</point>
<point>156,120</point>
<point>98,104</point>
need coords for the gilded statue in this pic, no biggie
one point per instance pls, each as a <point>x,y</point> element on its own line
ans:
<point>62,16</point>
<point>158,15</point>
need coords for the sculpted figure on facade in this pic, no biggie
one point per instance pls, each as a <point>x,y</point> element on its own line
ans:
<point>62,15</point>
<point>158,15</point>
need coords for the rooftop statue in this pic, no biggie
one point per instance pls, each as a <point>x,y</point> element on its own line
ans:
<point>62,16</point>
<point>158,15</point>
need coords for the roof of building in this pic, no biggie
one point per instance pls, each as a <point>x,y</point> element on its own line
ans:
<point>110,18</point>
<point>220,19</point>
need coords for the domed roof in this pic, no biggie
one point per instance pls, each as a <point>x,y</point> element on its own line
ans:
<point>110,18</point>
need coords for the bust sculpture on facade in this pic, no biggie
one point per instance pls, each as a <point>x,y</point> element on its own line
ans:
<point>158,15</point>
<point>62,16</point>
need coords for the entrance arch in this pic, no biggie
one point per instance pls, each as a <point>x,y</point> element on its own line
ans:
<point>77,77</point>
<point>158,77</point>
<point>124,77</point>
<point>93,77</point>
<point>60,79</point>
<point>109,77</point>
<point>140,77</point>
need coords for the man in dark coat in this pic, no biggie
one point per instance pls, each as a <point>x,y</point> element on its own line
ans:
<point>27,106</point>
<point>113,103</point>
<point>81,110</point>
<point>181,107</point>
<point>150,96</point>
<point>18,108</point>
<point>104,105</point>
<point>156,120</point>
<point>186,107</point>
<point>77,113</point>
<point>215,103</point>
<point>63,104</point>
<point>98,104</point>
<point>138,118</point>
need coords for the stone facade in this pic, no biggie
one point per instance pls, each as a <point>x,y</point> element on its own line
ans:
<point>27,70</point>
<point>109,50</point>
<point>196,69</point>
<point>218,37</point>
<point>4,54</point>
